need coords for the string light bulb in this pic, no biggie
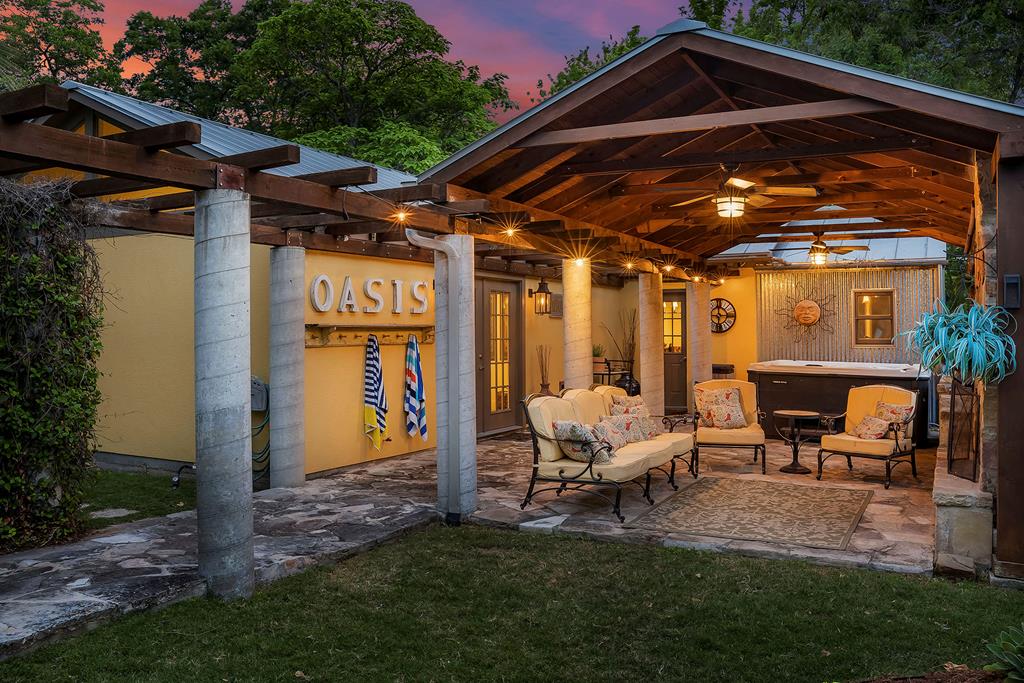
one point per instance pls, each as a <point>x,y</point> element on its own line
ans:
<point>580,261</point>
<point>401,215</point>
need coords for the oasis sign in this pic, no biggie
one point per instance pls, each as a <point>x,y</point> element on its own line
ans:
<point>373,293</point>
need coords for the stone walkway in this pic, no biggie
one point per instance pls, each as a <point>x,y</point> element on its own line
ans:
<point>53,591</point>
<point>50,592</point>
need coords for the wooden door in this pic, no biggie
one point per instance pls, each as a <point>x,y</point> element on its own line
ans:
<point>499,376</point>
<point>674,317</point>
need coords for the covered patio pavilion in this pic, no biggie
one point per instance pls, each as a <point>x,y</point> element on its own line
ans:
<point>611,177</point>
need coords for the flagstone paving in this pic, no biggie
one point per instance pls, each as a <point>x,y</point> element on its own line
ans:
<point>48,592</point>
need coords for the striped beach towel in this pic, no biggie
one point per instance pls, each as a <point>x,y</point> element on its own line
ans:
<point>415,396</point>
<point>375,401</point>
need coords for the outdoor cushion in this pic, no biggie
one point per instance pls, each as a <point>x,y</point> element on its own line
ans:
<point>871,427</point>
<point>589,405</point>
<point>623,467</point>
<point>680,442</point>
<point>626,400</point>
<point>639,410</point>
<point>607,394</point>
<point>748,394</point>
<point>544,411</point>
<point>607,432</point>
<point>863,401</point>
<point>656,452</point>
<point>848,443</point>
<point>751,435</point>
<point>574,439</point>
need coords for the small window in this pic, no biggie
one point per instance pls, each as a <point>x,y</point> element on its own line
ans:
<point>874,317</point>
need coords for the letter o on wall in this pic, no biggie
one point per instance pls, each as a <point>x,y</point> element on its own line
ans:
<point>321,304</point>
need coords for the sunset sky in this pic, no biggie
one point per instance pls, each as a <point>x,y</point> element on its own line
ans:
<point>526,39</point>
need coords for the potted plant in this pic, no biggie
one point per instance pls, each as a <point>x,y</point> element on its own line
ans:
<point>600,362</point>
<point>970,343</point>
<point>626,351</point>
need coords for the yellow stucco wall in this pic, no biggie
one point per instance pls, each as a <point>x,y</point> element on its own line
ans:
<point>147,364</point>
<point>738,346</point>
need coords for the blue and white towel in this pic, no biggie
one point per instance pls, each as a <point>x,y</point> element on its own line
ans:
<point>375,401</point>
<point>415,396</point>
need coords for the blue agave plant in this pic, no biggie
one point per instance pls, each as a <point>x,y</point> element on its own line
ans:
<point>969,343</point>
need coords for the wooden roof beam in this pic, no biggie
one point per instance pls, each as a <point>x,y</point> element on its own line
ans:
<point>166,136</point>
<point>32,102</point>
<point>730,157</point>
<point>684,124</point>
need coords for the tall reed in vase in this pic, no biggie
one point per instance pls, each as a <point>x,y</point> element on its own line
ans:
<point>544,363</point>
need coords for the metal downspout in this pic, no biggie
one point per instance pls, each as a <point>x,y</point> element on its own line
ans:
<point>454,512</point>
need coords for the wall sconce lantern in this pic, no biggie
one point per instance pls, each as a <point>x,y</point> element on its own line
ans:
<point>541,298</point>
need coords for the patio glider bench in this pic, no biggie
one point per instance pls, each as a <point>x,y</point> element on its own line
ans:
<point>750,436</point>
<point>895,444</point>
<point>626,465</point>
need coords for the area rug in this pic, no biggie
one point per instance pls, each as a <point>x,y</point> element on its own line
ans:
<point>813,516</point>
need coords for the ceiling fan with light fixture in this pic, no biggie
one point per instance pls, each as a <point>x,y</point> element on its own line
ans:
<point>735,193</point>
<point>818,252</point>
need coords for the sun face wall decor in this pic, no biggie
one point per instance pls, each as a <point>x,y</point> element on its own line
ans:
<point>805,316</point>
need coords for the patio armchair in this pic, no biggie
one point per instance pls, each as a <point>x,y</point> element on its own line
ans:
<point>897,446</point>
<point>751,436</point>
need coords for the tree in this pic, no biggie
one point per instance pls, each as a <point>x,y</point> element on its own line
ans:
<point>714,13</point>
<point>394,144</point>
<point>56,40</point>
<point>582,63</point>
<point>191,57</point>
<point>379,62</point>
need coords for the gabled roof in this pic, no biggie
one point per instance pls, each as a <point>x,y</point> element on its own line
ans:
<point>218,139</point>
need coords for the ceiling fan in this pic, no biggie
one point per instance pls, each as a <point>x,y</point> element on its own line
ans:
<point>819,252</point>
<point>734,193</point>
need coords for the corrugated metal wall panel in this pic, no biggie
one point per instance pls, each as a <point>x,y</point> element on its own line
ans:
<point>916,290</point>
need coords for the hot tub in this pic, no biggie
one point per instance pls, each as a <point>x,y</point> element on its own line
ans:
<point>822,386</point>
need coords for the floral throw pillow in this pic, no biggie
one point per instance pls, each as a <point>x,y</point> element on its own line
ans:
<point>631,426</point>
<point>728,397</point>
<point>890,412</point>
<point>579,442</point>
<point>871,427</point>
<point>631,401</point>
<point>610,434</point>
<point>724,417</point>
<point>640,410</point>
<point>650,426</point>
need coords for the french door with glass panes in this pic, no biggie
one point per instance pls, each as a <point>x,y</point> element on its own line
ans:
<point>499,344</point>
<point>674,317</point>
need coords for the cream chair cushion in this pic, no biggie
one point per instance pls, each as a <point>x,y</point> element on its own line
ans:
<point>544,411</point>
<point>657,452</point>
<point>751,435</point>
<point>606,392</point>
<point>861,401</point>
<point>680,442</point>
<point>748,395</point>
<point>623,467</point>
<point>847,443</point>
<point>589,405</point>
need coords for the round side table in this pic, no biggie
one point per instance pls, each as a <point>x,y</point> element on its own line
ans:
<point>793,436</point>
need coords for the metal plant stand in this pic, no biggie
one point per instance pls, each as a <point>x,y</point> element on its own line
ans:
<point>794,436</point>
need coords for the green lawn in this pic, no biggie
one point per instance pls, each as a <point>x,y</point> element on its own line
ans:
<point>149,495</point>
<point>479,604</point>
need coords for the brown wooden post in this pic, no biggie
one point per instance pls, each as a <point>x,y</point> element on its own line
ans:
<point>1010,255</point>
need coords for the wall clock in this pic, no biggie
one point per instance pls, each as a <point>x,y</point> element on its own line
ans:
<point>723,315</point>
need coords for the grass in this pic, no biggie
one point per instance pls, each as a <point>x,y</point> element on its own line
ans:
<point>149,495</point>
<point>472,603</point>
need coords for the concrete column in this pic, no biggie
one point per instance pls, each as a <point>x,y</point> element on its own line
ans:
<point>287,366</point>
<point>223,419</point>
<point>456,353</point>
<point>652,343</point>
<point>698,336</point>
<point>576,326</point>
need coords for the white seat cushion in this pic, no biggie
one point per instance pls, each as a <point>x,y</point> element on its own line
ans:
<point>681,442</point>
<point>751,435</point>
<point>656,451</point>
<point>623,467</point>
<point>589,405</point>
<point>544,411</point>
<point>848,443</point>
